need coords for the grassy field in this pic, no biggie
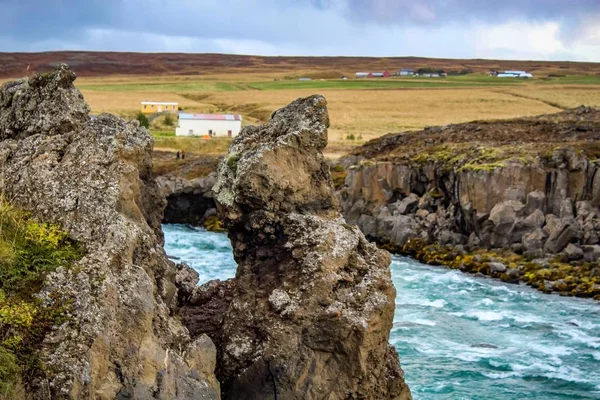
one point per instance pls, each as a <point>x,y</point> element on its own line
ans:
<point>360,109</point>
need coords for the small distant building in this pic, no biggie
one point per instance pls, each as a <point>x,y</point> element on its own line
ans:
<point>430,75</point>
<point>514,74</point>
<point>153,107</point>
<point>384,74</point>
<point>213,125</point>
<point>406,72</point>
<point>344,77</point>
<point>362,74</point>
<point>304,79</point>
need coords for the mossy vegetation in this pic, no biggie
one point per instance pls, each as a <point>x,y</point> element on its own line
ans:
<point>233,160</point>
<point>338,175</point>
<point>468,158</point>
<point>28,251</point>
<point>214,224</point>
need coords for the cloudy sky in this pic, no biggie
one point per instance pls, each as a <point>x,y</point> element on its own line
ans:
<point>505,29</point>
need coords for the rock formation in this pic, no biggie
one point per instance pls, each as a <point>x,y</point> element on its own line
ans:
<point>309,313</point>
<point>188,201</point>
<point>526,186</point>
<point>92,175</point>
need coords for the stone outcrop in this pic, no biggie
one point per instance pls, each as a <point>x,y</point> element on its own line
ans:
<point>92,175</point>
<point>309,313</point>
<point>540,206</point>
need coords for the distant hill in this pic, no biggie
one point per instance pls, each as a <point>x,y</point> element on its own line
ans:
<point>114,63</point>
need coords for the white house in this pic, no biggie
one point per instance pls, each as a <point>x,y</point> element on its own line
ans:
<point>406,72</point>
<point>514,74</point>
<point>362,74</point>
<point>213,125</point>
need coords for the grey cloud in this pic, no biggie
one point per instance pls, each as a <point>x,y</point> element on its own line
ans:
<point>442,11</point>
<point>368,27</point>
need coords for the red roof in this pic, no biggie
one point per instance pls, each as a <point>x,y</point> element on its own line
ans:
<point>211,117</point>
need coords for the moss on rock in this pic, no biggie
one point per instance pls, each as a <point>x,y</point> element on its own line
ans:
<point>28,251</point>
<point>214,224</point>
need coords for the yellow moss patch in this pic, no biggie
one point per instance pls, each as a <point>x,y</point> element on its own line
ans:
<point>214,224</point>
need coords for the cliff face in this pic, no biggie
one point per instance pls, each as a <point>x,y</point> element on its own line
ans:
<point>535,194</point>
<point>92,175</point>
<point>310,311</point>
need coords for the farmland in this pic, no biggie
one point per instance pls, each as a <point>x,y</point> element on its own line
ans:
<point>360,109</point>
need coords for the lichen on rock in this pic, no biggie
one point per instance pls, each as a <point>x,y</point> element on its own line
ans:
<point>313,302</point>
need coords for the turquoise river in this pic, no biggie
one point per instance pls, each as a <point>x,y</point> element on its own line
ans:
<point>460,336</point>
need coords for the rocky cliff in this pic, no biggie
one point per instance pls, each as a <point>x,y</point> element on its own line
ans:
<point>189,201</point>
<point>309,312</point>
<point>92,176</point>
<point>513,199</point>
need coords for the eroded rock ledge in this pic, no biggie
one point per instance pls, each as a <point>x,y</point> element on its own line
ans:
<point>93,177</point>
<point>309,313</point>
<point>516,199</point>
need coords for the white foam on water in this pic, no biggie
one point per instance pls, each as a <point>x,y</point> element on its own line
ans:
<point>424,322</point>
<point>439,303</point>
<point>485,315</point>
<point>487,302</point>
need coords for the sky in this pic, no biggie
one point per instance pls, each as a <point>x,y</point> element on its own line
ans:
<point>499,29</point>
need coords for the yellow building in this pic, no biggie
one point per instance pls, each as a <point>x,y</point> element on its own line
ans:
<point>152,107</point>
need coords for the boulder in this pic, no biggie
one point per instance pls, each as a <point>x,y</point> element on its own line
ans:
<point>591,253</point>
<point>496,268</point>
<point>446,237</point>
<point>534,240</point>
<point>560,233</point>
<point>473,242</point>
<point>398,229</point>
<point>536,200</point>
<point>504,215</point>
<point>93,177</point>
<point>313,301</point>
<point>573,253</point>
<point>408,205</point>
<point>512,275</point>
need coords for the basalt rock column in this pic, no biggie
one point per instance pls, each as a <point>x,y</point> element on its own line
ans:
<point>313,301</point>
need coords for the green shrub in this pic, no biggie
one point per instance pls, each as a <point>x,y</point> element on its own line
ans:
<point>143,120</point>
<point>350,137</point>
<point>169,120</point>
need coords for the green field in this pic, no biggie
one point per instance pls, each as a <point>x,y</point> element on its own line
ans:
<point>471,80</point>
